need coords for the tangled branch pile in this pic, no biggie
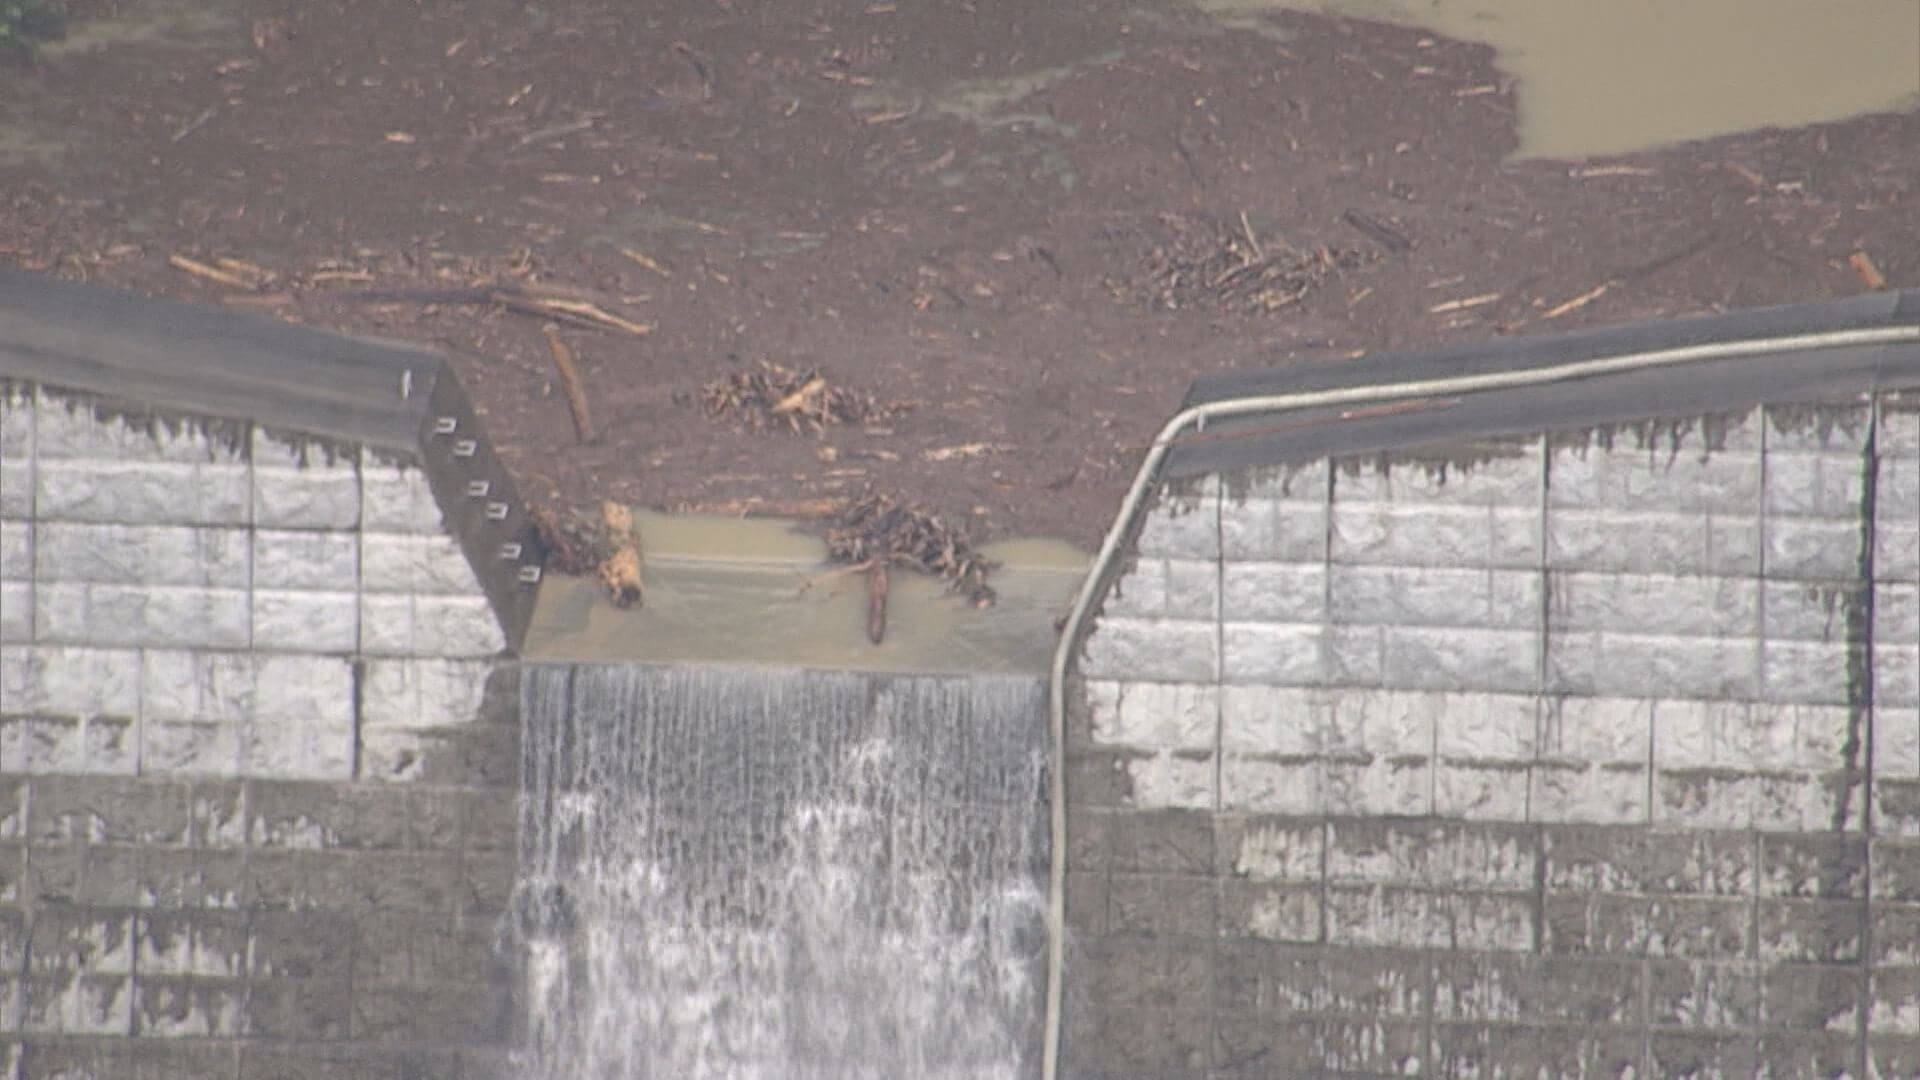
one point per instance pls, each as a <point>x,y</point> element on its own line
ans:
<point>1208,262</point>
<point>777,396</point>
<point>877,531</point>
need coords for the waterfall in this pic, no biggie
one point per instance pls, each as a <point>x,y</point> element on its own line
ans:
<point>760,874</point>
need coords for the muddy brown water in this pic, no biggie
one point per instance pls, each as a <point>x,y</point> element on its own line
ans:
<point>760,592</point>
<point>1603,77</point>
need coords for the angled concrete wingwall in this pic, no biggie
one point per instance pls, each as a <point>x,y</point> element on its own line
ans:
<point>1592,750</point>
<point>258,715</point>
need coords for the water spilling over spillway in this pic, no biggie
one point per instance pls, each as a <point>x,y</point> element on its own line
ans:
<point>781,874</point>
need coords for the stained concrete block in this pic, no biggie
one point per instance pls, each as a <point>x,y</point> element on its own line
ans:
<point>1254,784</point>
<point>169,1008</point>
<point>1271,912</point>
<point>1395,917</point>
<point>1173,781</point>
<point>1278,519</point>
<point>1183,523</point>
<point>1688,473</point>
<point>1161,904</point>
<point>1378,785</point>
<point>211,945</point>
<point>1673,927</point>
<point>1155,716</point>
<point>1170,588</point>
<point>68,1004</point>
<point>304,485</point>
<point>16,613</point>
<point>1446,855</point>
<point>69,681</point>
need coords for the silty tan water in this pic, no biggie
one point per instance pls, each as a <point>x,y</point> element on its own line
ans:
<point>1600,77</point>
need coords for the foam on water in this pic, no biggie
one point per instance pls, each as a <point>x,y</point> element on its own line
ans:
<point>780,875</point>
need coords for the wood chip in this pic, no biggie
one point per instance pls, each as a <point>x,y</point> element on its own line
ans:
<point>1577,302</point>
<point>200,269</point>
<point>1463,304</point>
<point>1870,275</point>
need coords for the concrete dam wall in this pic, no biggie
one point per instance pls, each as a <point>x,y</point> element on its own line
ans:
<point>1539,708</point>
<point>1528,722</point>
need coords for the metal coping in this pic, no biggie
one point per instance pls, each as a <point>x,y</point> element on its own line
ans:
<point>1704,388</point>
<point>198,361</point>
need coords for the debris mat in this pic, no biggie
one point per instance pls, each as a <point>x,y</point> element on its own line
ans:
<point>876,530</point>
<point>776,397</point>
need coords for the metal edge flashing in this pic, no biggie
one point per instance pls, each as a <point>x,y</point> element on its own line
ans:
<point>152,361</point>
<point>1880,333</point>
<point>482,506</point>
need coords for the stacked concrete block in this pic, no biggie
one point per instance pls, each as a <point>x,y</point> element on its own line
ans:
<point>1596,753</point>
<point>219,645</point>
<point>244,928</point>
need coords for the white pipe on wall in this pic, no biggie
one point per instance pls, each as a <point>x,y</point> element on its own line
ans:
<point>1197,416</point>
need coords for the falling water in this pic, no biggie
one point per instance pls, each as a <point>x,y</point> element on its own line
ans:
<point>780,875</point>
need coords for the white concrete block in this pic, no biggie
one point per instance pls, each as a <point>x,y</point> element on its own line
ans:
<point>1653,542</point>
<point>1276,529</point>
<point>16,550</point>
<point>318,498</point>
<point>1896,613</point>
<point>1435,596</point>
<point>300,621</point>
<point>70,428</point>
<point>402,625</point>
<point>16,612</point>
<point>1429,535</point>
<point>141,493</point>
<point>305,559</point>
<point>1356,656</point>
<point>1806,610</point>
<point>144,555</point>
<point>302,726</point>
<point>130,615</point>
<point>1159,716</point>
<point>1389,723</point>
<point>397,498</point>
<point>1173,588</point>
<point>1264,785</point>
<point>422,694</point>
<point>69,681</point>
<point>1274,592</point>
<point>1185,526</point>
<point>1690,605</point>
<point>1896,676</point>
<point>1630,665</point>
<point>180,686</point>
<point>1810,672</point>
<point>1429,658</point>
<point>1896,550</point>
<point>1801,738</point>
<point>396,563</point>
<point>16,487</point>
<point>1813,548</point>
<point>1272,654</point>
<point>1813,484</point>
<point>1597,730</point>
<point>1166,650</point>
<point>1274,719</point>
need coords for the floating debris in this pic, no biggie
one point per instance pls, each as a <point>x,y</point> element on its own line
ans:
<point>605,544</point>
<point>876,532</point>
<point>776,396</point>
<point>1198,261</point>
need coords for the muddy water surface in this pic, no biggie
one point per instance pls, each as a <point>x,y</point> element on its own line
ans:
<point>1598,77</point>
